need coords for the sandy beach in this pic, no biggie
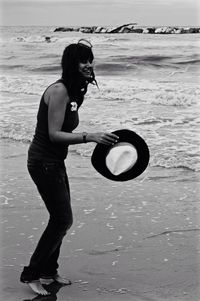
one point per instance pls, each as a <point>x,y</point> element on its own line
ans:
<point>135,241</point>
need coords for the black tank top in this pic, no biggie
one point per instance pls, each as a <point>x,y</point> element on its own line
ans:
<point>41,148</point>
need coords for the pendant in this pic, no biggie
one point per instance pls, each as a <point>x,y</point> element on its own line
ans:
<point>74,106</point>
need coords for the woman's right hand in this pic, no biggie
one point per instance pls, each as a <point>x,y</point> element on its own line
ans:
<point>102,138</point>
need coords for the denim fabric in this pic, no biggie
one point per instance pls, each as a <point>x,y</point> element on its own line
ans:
<point>52,183</point>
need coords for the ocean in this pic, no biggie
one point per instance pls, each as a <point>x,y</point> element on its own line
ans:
<point>130,240</point>
<point>147,83</point>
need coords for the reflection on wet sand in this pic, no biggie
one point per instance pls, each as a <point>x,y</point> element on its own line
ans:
<point>52,288</point>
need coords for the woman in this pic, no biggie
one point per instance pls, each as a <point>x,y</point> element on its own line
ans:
<point>57,118</point>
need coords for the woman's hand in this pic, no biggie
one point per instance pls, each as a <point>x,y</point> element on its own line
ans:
<point>102,138</point>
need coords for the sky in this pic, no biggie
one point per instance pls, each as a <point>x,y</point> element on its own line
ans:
<point>100,12</point>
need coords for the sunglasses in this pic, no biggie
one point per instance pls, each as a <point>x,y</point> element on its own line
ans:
<point>85,43</point>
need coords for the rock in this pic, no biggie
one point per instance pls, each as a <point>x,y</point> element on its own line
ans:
<point>145,30</point>
<point>158,30</point>
<point>109,30</point>
<point>177,31</point>
<point>86,29</point>
<point>137,30</point>
<point>124,30</point>
<point>174,29</point>
<point>98,29</point>
<point>117,29</point>
<point>186,29</point>
<point>161,30</point>
<point>64,29</point>
<point>168,30</point>
<point>193,30</point>
<point>103,30</point>
<point>75,29</point>
<point>148,30</point>
<point>130,28</point>
<point>151,29</point>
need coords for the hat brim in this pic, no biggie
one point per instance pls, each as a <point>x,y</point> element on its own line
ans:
<point>100,152</point>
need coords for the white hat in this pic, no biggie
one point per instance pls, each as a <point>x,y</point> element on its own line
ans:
<point>121,158</point>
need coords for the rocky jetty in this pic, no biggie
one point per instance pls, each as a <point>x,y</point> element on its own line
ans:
<point>130,28</point>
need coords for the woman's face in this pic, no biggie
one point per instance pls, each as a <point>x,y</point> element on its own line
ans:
<point>86,68</point>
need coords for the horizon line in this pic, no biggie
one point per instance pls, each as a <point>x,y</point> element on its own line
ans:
<point>142,25</point>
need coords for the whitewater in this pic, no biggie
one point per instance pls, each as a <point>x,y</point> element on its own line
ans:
<point>147,83</point>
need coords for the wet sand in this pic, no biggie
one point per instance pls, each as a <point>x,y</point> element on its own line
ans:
<point>135,241</point>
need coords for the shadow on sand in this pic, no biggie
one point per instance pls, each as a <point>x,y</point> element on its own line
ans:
<point>52,288</point>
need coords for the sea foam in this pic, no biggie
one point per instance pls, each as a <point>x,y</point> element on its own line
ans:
<point>144,85</point>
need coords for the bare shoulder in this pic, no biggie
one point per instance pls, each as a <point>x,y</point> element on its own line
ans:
<point>58,89</point>
<point>57,92</point>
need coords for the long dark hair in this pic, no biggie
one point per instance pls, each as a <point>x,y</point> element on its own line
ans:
<point>75,83</point>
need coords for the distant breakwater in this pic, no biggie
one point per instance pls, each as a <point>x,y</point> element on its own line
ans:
<point>130,28</point>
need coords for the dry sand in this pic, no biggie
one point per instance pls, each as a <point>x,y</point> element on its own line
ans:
<point>135,241</point>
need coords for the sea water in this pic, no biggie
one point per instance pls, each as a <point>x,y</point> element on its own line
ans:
<point>147,83</point>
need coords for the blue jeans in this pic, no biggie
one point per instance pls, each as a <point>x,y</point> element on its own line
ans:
<point>52,183</point>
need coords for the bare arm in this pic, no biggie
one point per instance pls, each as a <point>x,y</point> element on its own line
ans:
<point>57,102</point>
